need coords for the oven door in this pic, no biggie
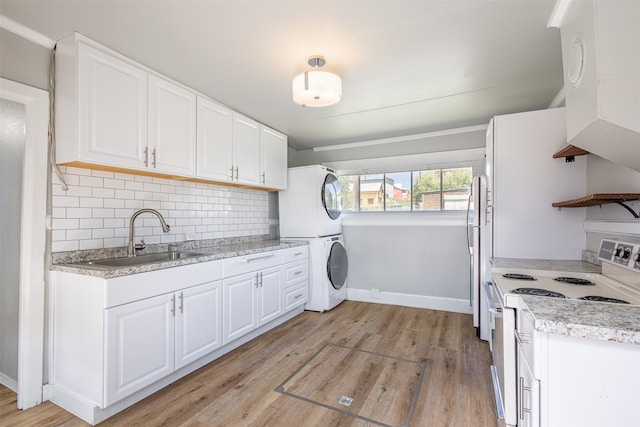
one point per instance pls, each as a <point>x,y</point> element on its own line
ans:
<point>503,351</point>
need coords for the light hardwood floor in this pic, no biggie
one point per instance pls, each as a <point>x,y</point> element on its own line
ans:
<point>239,389</point>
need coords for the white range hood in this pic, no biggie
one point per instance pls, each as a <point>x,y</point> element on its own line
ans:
<point>601,62</point>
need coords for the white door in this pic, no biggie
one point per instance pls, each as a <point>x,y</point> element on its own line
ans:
<point>273,159</point>
<point>246,150</point>
<point>172,128</point>
<point>215,141</point>
<point>140,343</point>
<point>23,170</point>
<point>112,110</point>
<point>239,306</point>
<point>269,295</point>
<point>198,322</point>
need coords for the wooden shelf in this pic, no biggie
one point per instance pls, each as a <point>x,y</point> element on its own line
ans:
<point>569,151</point>
<point>601,199</point>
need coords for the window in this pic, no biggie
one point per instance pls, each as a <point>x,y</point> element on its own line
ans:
<point>422,190</point>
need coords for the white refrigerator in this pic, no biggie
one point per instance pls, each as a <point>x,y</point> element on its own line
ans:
<point>522,181</point>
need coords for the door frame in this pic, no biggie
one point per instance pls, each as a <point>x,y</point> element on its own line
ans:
<point>32,240</point>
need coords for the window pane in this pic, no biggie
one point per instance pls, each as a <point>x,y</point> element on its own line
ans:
<point>398,191</point>
<point>426,190</point>
<point>349,190</point>
<point>371,192</point>
<point>456,187</point>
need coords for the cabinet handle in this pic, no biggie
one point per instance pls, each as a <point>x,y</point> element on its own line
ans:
<point>260,279</point>
<point>146,157</point>
<point>297,272</point>
<point>181,306</point>
<point>298,254</point>
<point>153,154</point>
<point>247,260</point>
<point>522,338</point>
<point>256,284</point>
<point>297,296</point>
<point>173,306</point>
<point>236,173</point>
<point>231,176</point>
<point>263,178</point>
<point>523,388</point>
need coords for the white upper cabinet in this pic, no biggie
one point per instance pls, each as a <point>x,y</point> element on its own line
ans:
<point>273,159</point>
<point>601,63</point>
<point>112,112</point>
<point>110,103</point>
<point>215,142</point>
<point>172,128</point>
<point>246,150</point>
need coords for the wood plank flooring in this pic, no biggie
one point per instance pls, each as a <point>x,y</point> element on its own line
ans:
<point>239,388</point>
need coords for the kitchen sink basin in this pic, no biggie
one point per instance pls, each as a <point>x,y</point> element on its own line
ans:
<point>137,260</point>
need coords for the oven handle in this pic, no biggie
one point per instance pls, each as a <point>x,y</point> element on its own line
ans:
<point>493,307</point>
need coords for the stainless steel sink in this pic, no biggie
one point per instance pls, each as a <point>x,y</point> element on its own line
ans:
<point>138,260</point>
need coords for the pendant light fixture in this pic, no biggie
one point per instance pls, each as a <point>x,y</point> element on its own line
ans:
<point>317,88</point>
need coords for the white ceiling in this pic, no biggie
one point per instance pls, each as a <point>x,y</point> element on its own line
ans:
<point>407,66</point>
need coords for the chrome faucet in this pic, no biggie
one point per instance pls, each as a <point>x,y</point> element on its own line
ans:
<point>131,249</point>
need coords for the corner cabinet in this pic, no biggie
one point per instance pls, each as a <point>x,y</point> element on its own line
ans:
<point>113,113</point>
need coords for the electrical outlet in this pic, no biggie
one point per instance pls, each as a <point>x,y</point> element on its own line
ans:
<point>375,293</point>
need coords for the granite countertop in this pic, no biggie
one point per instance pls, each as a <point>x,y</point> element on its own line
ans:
<point>573,318</point>
<point>584,319</point>
<point>71,262</point>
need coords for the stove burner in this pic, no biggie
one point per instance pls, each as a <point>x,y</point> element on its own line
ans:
<point>574,281</point>
<point>537,292</point>
<point>518,276</point>
<point>603,299</point>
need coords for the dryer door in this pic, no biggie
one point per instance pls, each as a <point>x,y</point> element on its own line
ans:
<point>337,265</point>
<point>331,196</point>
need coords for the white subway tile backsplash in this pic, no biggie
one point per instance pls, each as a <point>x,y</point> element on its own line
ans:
<point>95,212</point>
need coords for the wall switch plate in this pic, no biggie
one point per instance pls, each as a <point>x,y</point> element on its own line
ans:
<point>375,293</point>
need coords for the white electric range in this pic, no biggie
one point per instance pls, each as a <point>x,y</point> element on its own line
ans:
<point>618,285</point>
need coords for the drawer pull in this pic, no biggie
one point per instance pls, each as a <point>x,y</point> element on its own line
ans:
<point>297,296</point>
<point>298,254</point>
<point>297,272</point>
<point>248,260</point>
<point>522,338</point>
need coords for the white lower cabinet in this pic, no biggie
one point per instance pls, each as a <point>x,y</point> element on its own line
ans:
<point>149,339</point>
<point>251,299</point>
<point>117,340</point>
<point>140,345</point>
<point>528,394</point>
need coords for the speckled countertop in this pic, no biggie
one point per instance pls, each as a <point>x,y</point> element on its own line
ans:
<point>72,262</point>
<point>573,318</point>
<point>584,319</point>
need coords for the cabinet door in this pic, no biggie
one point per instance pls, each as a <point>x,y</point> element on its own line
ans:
<point>273,159</point>
<point>246,150</point>
<point>269,295</point>
<point>140,345</point>
<point>528,394</point>
<point>112,110</point>
<point>198,322</point>
<point>215,141</point>
<point>172,128</point>
<point>239,309</point>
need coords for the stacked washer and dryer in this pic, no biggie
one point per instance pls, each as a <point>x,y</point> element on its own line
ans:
<point>310,210</point>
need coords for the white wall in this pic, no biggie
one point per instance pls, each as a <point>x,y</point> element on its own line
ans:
<point>94,212</point>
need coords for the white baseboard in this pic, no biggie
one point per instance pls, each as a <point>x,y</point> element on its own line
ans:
<point>410,300</point>
<point>8,382</point>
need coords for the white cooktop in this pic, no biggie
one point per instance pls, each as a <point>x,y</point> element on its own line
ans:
<point>603,286</point>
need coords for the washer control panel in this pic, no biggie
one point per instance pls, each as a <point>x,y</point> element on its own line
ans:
<point>624,254</point>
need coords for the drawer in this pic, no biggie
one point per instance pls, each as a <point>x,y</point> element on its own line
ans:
<point>248,263</point>
<point>295,272</point>
<point>295,254</point>
<point>296,295</point>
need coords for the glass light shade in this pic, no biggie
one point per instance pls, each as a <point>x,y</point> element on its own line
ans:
<point>317,89</point>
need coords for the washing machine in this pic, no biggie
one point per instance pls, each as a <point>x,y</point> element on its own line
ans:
<point>311,205</point>
<point>328,268</point>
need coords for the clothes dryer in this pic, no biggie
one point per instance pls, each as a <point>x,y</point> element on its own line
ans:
<point>329,267</point>
<point>311,205</point>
